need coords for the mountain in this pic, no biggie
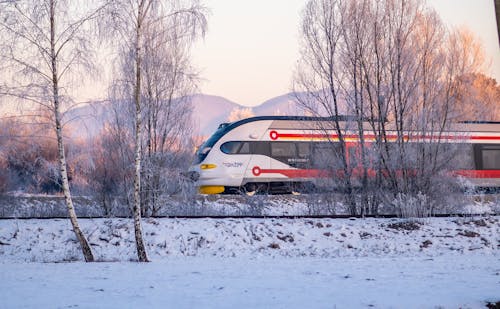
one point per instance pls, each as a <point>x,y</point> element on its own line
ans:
<point>285,105</point>
<point>87,121</point>
<point>208,112</point>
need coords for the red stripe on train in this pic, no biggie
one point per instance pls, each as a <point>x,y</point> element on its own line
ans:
<point>477,173</point>
<point>316,173</point>
<point>274,135</point>
<point>292,173</point>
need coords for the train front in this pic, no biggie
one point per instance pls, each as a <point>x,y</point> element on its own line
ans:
<point>208,171</point>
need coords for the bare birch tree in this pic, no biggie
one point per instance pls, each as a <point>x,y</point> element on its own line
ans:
<point>318,78</point>
<point>169,80</point>
<point>134,20</point>
<point>47,45</point>
<point>383,60</point>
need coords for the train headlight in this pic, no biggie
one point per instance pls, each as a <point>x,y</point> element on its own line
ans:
<point>207,166</point>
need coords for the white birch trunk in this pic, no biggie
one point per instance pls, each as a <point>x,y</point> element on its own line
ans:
<point>87,251</point>
<point>141,249</point>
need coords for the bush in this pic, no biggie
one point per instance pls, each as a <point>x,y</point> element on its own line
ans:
<point>413,205</point>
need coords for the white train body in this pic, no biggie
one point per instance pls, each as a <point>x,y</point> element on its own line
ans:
<point>232,170</point>
<point>276,152</point>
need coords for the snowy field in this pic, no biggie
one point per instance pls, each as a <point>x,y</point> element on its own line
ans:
<point>254,263</point>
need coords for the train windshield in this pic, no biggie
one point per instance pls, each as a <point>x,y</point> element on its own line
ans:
<point>205,148</point>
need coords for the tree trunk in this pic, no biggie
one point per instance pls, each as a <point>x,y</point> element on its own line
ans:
<point>141,248</point>
<point>87,251</point>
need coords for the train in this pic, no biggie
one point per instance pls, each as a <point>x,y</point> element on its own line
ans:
<point>278,154</point>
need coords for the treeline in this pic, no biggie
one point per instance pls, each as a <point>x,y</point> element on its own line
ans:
<point>406,78</point>
<point>100,167</point>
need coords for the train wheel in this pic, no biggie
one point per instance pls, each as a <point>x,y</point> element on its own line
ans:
<point>251,189</point>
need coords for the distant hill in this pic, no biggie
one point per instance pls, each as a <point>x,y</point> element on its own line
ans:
<point>87,121</point>
<point>285,105</point>
<point>208,112</point>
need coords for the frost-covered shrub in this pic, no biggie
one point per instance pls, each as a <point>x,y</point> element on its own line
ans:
<point>413,205</point>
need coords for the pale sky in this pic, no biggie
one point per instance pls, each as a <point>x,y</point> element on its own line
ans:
<point>251,47</point>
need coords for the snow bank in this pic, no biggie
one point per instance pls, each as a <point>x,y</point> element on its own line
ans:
<point>52,240</point>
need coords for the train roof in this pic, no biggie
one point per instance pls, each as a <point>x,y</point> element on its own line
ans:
<point>344,118</point>
<point>310,122</point>
<point>306,122</point>
<point>291,118</point>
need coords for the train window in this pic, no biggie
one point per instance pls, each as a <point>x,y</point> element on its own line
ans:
<point>261,148</point>
<point>490,155</point>
<point>245,148</point>
<point>230,147</point>
<point>235,148</point>
<point>283,150</point>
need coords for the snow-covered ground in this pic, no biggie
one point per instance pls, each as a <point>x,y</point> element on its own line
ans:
<point>254,263</point>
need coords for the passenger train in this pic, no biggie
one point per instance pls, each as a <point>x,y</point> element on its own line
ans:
<point>277,153</point>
